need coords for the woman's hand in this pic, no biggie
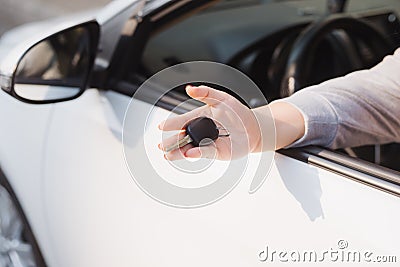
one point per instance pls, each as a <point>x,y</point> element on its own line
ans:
<point>229,114</point>
<point>269,127</point>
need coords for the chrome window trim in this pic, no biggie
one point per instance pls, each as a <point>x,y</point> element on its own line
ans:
<point>367,173</point>
<point>170,9</point>
<point>370,180</point>
<point>153,5</point>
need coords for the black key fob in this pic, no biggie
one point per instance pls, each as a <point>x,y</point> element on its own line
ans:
<point>202,129</point>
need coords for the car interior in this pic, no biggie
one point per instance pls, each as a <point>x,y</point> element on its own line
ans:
<point>269,41</point>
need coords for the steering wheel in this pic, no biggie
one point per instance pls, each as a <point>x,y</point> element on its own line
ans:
<point>299,64</point>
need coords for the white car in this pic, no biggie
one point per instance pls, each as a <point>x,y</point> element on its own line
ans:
<point>76,150</point>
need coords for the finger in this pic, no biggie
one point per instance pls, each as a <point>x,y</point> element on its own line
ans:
<point>179,122</point>
<point>170,141</point>
<point>178,154</point>
<point>206,94</point>
<point>209,152</point>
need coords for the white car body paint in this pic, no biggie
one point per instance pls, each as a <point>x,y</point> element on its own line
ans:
<point>97,216</point>
<point>65,162</point>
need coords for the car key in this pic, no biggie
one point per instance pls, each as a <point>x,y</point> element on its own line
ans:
<point>200,131</point>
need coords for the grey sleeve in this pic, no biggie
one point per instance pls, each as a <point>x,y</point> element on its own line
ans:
<point>358,109</point>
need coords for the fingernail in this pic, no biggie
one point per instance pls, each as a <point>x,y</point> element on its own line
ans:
<point>189,87</point>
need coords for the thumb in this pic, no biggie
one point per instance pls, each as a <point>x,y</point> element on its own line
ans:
<point>207,95</point>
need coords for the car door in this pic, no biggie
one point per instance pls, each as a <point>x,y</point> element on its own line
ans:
<point>97,215</point>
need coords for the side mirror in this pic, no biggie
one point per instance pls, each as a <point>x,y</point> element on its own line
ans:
<point>56,68</point>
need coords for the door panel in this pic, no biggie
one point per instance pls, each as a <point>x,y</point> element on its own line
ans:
<point>97,216</point>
